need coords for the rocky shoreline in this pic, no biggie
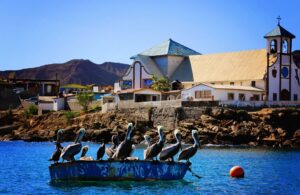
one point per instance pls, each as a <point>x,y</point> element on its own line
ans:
<point>277,128</point>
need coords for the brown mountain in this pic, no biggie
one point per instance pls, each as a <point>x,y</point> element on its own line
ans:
<point>74,71</point>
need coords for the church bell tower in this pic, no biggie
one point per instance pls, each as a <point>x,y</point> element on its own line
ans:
<point>279,68</point>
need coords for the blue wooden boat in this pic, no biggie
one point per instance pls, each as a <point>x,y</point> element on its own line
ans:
<point>137,170</point>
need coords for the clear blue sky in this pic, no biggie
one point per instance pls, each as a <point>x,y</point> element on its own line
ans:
<point>36,32</point>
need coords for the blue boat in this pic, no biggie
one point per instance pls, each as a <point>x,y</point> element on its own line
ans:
<point>137,170</point>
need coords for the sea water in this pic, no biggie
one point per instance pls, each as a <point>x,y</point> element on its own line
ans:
<point>24,170</point>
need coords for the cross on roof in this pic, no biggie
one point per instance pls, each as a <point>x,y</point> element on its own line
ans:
<point>278,18</point>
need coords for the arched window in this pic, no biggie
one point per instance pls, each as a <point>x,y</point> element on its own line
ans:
<point>284,46</point>
<point>273,46</point>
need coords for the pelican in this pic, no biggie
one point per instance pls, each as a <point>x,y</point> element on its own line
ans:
<point>170,151</point>
<point>83,153</point>
<point>112,149</point>
<point>71,150</point>
<point>156,148</point>
<point>189,152</point>
<point>147,139</point>
<point>101,151</point>
<point>56,154</point>
<point>125,148</point>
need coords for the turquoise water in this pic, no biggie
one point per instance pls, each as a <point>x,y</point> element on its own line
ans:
<point>24,170</point>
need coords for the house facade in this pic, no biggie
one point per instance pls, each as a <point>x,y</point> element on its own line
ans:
<point>268,74</point>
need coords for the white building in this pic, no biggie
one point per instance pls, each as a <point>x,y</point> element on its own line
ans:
<point>263,74</point>
<point>210,92</point>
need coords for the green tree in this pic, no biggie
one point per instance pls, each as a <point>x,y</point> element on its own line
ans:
<point>84,99</point>
<point>160,84</point>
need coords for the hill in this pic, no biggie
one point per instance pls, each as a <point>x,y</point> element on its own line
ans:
<point>74,71</point>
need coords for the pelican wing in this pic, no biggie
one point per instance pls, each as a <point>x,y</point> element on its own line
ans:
<point>187,153</point>
<point>123,150</point>
<point>154,150</point>
<point>70,151</point>
<point>110,152</point>
<point>169,151</point>
<point>101,151</point>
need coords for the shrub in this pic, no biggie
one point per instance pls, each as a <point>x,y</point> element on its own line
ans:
<point>84,99</point>
<point>161,84</point>
<point>69,115</point>
<point>30,111</point>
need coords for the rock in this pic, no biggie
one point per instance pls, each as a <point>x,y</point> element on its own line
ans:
<point>217,112</point>
<point>242,115</point>
<point>187,125</point>
<point>228,114</point>
<point>297,134</point>
<point>208,119</point>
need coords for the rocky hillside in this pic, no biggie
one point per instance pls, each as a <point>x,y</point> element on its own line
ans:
<point>278,128</point>
<point>74,71</point>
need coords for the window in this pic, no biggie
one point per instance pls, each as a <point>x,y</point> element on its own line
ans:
<point>255,97</point>
<point>230,96</point>
<point>49,88</point>
<point>285,72</point>
<point>273,46</point>
<point>154,98</point>
<point>284,46</point>
<point>203,94</point>
<point>127,84</point>
<point>274,96</point>
<point>295,97</point>
<point>253,83</point>
<point>242,97</point>
<point>147,83</point>
<point>231,83</point>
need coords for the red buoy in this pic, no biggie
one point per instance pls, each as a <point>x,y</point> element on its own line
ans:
<point>237,172</point>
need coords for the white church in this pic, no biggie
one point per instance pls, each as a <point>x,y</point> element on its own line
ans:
<point>268,74</point>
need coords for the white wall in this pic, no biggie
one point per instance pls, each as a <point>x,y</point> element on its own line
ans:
<point>218,94</point>
<point>129,74</point>
<point>58,104</point>
<point>137,76</point>
<point>45,106</point>
<point>274,81</point>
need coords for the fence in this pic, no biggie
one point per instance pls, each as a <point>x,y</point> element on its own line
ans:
<point>259,103</point>
<point>131,104</point>
<point>75,106</point>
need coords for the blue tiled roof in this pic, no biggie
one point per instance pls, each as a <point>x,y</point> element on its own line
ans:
<point>279,31</point>
<point>169,47</point>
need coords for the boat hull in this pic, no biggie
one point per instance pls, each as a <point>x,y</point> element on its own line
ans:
<point>118,170</point>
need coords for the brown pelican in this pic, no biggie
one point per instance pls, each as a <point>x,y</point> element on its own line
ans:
<point>170,151</point>
<point>101,151</point>
<point>112,149</point>
<point>189,152</point>
<point>71,150</point>
<point>83,153</point>
<point>56,154</point>
<point>147,139</point>
<point>156,148</point>
<point>125,148</point>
